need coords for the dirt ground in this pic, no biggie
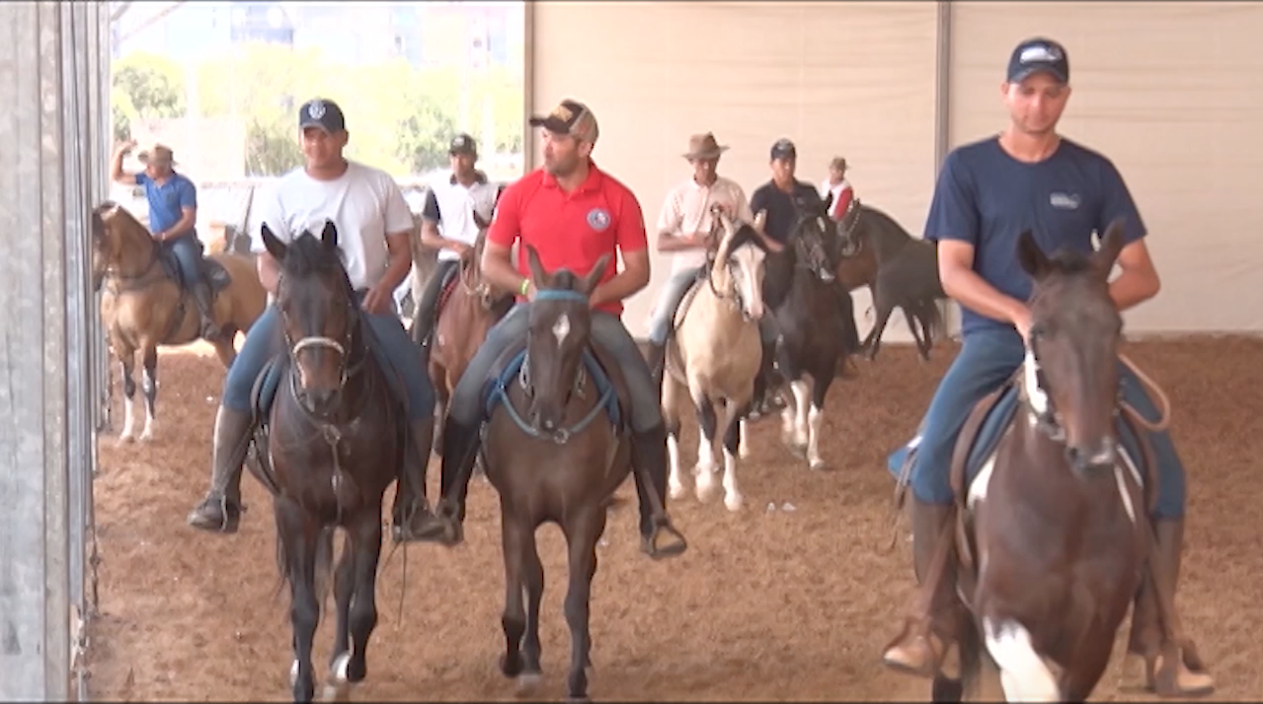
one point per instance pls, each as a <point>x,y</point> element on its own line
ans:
<point>766,605</point>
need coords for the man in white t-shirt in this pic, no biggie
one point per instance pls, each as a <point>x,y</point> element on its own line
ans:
<point>448,225</point>
<point>684,229</point>
<point>373,224</point>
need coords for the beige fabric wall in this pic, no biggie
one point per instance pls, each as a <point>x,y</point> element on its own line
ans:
<point>1169,91</point>
<point>853,79</point>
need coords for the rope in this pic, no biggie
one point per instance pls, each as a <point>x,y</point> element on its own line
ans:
<point>1159,396</point>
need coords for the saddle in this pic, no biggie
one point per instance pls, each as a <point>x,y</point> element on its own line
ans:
<point>212,272</point>
<point>597,367</point>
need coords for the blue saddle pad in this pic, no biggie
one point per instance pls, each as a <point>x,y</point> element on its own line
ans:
<point>989,433</point>
<point>496,390</point>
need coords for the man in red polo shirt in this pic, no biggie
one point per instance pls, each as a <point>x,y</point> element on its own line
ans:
<point>571,212</point>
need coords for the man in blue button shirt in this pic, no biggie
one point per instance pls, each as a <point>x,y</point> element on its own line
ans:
<point>172,201</point>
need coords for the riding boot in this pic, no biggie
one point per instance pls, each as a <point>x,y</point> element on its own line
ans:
<point>412,518</point>
<point>1142,668</point>
<point>460,452</point>
<point>918,649</point>
<point>657,360</point>
<point>649,463</point>
<point>221,510</point>
<point>202,297</point>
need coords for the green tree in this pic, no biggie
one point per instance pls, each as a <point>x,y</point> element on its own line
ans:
<point>145,86</point>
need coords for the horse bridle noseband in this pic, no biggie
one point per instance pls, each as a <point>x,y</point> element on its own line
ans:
<point>342,347</point>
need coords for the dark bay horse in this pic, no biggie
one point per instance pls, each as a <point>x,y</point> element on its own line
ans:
<point>1052,531</point>
<point>335,440</point>
<point>901,271</point>
<point>469,306</point>
<point>554,455</point>
<point>799,290</point>
<point>143,305</point>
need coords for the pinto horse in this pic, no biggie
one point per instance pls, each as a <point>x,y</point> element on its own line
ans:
<point>143,305</point>
<point>335,440</point>
<point>799,290</point>
<point>1053,533</point>
<point>714,356</point>
<point>468,307</point>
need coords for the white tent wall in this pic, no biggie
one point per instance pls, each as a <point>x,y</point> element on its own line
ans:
<point>854,79</point>
<point>54,71</point>
<point>1170,92</point>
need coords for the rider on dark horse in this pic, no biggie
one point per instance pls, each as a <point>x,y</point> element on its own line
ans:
<point>172,199</point>
<point>567,203</point>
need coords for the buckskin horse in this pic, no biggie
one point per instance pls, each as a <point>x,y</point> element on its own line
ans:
<point>799,290</point>
<point>333,440</point>
<point>713,357</point>
<point>468,307</point>
<point>144,306</point>
<point>555,447</point>
<point>900,271</point>
<point>1052,532</point>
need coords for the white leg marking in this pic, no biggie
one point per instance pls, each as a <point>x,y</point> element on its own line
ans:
<point>801,401</point>
<point>1023,674</point>
<point>705,469</point>
<point>815,417</point>
<point>732,497</point>
<point>743,444</point>
<point>293,673</point>
<point>129,421</point>
<point>787,423</point>
<point>978,487</point>
<point>673,455</point>
<point>150,388</point>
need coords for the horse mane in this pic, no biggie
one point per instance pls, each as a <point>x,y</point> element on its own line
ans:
<point>565,280</point>
<point>746,235</point>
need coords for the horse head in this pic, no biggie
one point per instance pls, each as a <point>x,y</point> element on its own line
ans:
<point>119,243</point>
<point>560,323</point>
<point>318,315</point>
<point>1071,381</point>
<point>811,237</point>
<point>736,271</point>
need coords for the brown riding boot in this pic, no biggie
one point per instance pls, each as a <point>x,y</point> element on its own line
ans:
<point>220,511</point>
<point>1143,666</point>
<point>918,650</point>
<point>412,518</point>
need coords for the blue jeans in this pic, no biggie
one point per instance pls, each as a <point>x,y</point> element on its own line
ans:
<point>466,405</point>
<point>669,302</point>
<point>265,341</point>
<point>986,360</point>
<point>188,254</point>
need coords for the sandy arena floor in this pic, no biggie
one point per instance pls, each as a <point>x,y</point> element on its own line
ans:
<point>766,605</point>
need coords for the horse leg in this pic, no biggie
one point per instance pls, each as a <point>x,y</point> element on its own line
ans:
<point>343,589</point>
<point>365,543</point>
<point>1023,674</point>
<point>821,379</point>
<point>873,342</point>
<point>671,421</point>
<point>796,432</point>
<point>223,347</point>
<point>298,536</point>
<point>533,571</point>
<point>127,360</point>
<point>518,543</point>
<point>911,319</point>
<point>704,472</point>
<point>582,536</point>
<point>149,378</point>
<point>733,437</point>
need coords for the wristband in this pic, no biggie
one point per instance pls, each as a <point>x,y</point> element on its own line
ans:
<point>526,283</point>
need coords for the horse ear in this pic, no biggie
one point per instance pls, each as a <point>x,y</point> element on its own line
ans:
<point>274,246</point>
<point>329,236</point>
<point>1030,256</point>
<point>538,276</point>
<point>1111,246</point>
<point>594,276</point>
<point>759,221</point>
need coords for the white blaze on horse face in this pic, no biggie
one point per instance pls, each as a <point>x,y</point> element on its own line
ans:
<point>749,259</point>
<point>1024,675</point>
<point>561,328</point>
<point>1037,397</point>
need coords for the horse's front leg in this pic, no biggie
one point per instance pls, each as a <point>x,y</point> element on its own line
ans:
<point>582,536</point>
<point>298,536</point>
<point>150,381</point>
<point>343,589</point>
<point>518,544</point>
<point>796,418</point>
<point>127,362</point>
<point>365,546</point>
<point>815,415</point>
<point>733,440</point>
<point>671,421</point>
<point>704,482</point>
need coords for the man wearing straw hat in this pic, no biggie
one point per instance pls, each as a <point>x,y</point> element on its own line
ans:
<point>684,230</point>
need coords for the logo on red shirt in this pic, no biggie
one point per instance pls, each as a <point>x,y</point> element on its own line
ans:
<point>598,219</point>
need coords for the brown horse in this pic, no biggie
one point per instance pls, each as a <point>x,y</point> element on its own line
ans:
<point>335,439</point>
<point>143,305</point>
<point>1053,533</point>
<point>468,307</point>
<point>554,454</point>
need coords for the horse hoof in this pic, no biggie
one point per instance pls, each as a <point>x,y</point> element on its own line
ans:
<point>704,492</point>
<point>733,502</point>
<point>338,670</point>
<point>527,684</point>
<point>817,464</point>
<point>126,440</point>
<point>677,490</point>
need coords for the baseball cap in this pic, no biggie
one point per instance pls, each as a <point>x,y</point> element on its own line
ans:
<point>1039,54</point>
<point>322,113</point>
<point>463,144</point>
<point>784,149</point>
<point>569,117</point>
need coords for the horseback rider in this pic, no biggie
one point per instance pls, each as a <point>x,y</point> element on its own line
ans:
<point>684,229</point>
<point>564,204</point>
<point>172,199</point>
<point>448,225</point>
<point>1028,177</point>
<point>841,188</point>
<point>373,224</point>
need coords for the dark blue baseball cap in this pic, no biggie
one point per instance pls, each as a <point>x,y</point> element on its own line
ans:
<point>784,149</point>
<point>1039,54</point>
<point>322,113</point>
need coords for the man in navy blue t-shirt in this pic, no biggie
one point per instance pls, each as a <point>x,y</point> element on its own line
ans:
<point>987,193</point>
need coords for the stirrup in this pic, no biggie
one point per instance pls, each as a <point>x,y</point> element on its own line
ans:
<point>913,636</point>
<point>431,529</point>
<point>649,543</point>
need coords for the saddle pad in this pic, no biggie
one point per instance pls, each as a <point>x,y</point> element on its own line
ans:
<point>509,365</point>
<point>992,429</point>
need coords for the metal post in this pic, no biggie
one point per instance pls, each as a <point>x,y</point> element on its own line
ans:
<point>948,310</point>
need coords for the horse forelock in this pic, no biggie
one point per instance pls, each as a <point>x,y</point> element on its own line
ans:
<point>744,235</point>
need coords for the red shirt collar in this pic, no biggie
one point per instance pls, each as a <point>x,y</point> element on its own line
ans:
<point>591,183</point>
